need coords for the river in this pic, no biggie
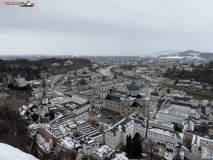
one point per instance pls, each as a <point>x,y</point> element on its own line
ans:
<point>106,71</point>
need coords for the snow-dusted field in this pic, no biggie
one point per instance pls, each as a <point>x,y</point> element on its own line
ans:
<point>8,152</point>
<point>3,95</point>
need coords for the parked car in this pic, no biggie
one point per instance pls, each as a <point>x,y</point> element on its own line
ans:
<point>110,117</point>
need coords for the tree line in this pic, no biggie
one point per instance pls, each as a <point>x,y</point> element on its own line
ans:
<point>31,69</point>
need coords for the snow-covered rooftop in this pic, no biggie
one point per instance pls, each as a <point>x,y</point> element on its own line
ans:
<point>169,133</point>
<point>161,123</point>
<point>102,151</point>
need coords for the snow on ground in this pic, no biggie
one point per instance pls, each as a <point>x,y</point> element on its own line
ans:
<point>169,155</point>
<point>10,153</point>
<point>120,156</point>
<point>3,95</point>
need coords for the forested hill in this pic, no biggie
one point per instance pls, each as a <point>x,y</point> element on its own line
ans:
<point>31,69</point>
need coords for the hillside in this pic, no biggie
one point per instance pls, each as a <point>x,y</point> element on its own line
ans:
<point>191,53</point>
<point>163,53</point>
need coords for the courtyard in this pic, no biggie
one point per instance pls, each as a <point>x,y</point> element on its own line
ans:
<point>103,116</point>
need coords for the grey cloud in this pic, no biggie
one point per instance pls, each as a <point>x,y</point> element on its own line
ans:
<point>104,27</point>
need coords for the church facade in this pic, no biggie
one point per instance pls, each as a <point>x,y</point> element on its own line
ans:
<point>123,103</point>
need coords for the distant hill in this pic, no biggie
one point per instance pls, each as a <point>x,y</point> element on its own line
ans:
<point>191,53</point>
<point>163,53</point>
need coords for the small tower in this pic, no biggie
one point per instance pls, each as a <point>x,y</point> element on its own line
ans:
<point>44,97</point>
<point>115,80</point>
<point>84,74</point>
<point>75,80</point>
<point>43,84</point>
<point>104,88</point>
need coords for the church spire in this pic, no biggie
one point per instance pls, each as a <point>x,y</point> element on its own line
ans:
<point>44,94</point>
<point>103,78</point>
<point>43,84</point>
<point>115,77</point>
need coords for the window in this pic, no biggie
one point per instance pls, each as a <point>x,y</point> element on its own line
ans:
<point>133,109</point>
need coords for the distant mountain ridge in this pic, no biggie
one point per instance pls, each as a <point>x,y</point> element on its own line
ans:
<point>191,53</point>
<point>164,52</point>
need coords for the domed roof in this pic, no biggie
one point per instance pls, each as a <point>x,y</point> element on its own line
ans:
<point>133,87</point>
<point>82,82</point>
<point>84,72</point>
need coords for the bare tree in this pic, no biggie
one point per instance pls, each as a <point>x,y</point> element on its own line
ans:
<point>149,148</point>
<point>93,122</point>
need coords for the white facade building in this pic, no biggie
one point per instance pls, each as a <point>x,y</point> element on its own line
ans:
<point>163,136</point>
<point>115,137</point>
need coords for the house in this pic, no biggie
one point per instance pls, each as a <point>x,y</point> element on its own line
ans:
<point>202,145</point>
<point>162,136</point>
<point>102,153</point>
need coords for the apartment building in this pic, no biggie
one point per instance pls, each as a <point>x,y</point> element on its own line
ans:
<point>162,136</point>
<point>115,137</point>
<point>161,124</point>
<point>176,112</point>
<point>202,146</point>
<point>85,128</point>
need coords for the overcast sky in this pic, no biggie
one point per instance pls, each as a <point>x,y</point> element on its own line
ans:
<point>106,27</point>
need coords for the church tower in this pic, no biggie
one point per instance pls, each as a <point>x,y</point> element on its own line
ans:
<point>115,80</point>
<point>44,96</point>
<point>75,80</point>
<point>104,88</point>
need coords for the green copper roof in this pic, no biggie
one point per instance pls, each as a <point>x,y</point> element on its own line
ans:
<point>133,86</point>
<point>43,84</point>
<point>44,95</point>
<point>103,79</point>
<point>115,77</point>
